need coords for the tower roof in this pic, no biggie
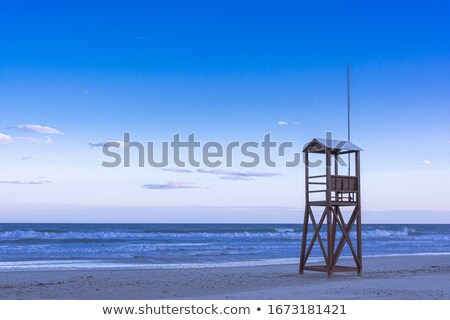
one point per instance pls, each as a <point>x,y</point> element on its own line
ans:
<point>336,146</point>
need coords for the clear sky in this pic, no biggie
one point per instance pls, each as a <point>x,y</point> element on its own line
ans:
<point>79,73</point>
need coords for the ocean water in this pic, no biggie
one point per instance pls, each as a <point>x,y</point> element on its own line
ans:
<point>121,246</point>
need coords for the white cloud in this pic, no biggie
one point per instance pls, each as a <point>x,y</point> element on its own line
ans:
<point>6,139</point>
<point>170,185</point>
<point>425,162</point>
<point>237,175</point>
<point>282,123</point>
<point>112,143</point>
<point>39,128</point>
<point>179,170</point>
<point>29,158</point>
<point>26,139</point>
<point>16,182</point>
<point>33,140</point>
<point>47,140</point>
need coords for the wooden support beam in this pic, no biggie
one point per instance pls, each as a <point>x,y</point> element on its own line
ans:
<point>346,234</point>
<point>311,244</point>
<point>330,248</point>
<point>342,241</point>
<point>303,256</point>
<point>336,268</point>
<point>358,218</point>
<point>317,234</point>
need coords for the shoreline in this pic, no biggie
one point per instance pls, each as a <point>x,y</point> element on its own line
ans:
<point>89,265</point>
<point>405,277</point>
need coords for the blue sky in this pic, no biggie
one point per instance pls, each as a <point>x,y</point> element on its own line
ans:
<point>83,72</point>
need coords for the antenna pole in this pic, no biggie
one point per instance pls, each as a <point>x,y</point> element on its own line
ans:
<point>348,112</point>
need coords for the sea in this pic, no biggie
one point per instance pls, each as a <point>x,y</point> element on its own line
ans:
<point>170,246</point>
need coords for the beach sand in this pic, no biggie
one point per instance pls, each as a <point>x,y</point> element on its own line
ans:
<point>411,277</point>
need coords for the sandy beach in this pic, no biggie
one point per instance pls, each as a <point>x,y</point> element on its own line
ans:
<point>411,277</point>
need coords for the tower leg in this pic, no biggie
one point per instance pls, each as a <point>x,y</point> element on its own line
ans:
<point>359,240</point>
<point>332,236</point>
<point>304,239</point>
<point>329,242</point>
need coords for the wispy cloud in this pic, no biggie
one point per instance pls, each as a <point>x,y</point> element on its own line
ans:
<point>96,144</point>
<point>236,178</point>
<point>179,170</point>
<point>425,162</point>
<point>28,158</point>
<point>24,182</point>
<point>38,128</point>
<point>7,139</point>
<point>33,140</point>
<point>121,144</point>
<point>285,123</point>
<point>237,175</point>
<point>170,185</point>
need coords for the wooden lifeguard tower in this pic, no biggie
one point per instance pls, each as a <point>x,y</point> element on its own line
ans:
<point>328,193</point>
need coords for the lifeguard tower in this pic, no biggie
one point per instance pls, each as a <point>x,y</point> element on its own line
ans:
<point>327,193</point>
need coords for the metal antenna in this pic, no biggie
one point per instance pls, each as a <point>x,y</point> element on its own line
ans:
<point>348,112</point>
